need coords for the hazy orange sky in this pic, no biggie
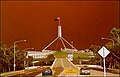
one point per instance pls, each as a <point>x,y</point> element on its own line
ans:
<point>83,22</point>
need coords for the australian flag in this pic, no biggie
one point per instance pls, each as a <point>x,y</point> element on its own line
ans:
<point>57,18</point>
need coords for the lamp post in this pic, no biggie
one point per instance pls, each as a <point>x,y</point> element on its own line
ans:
<point>28,49</point>
<point>109,39</point>
<point>14,51</point>
<point>33,60</point>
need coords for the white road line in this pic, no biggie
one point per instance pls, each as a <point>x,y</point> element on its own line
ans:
<point>62,63</point>
<point>72,64</point>
<point>39,75</point>
<point>62,66</point>
<point>9,75</point>
<point>53,63</point>
<point>60,74</point>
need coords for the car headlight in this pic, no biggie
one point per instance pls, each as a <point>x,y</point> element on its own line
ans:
<point>83,71</point>
<point>88,71</point>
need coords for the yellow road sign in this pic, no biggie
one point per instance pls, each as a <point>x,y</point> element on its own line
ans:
<point>70,71</point>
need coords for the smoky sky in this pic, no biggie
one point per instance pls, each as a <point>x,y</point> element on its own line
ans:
<point>83,22</point>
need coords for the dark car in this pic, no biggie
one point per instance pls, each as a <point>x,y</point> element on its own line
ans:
<point>47,72</point>
<point>85,71</point>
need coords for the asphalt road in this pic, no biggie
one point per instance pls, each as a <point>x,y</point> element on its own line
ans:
<point>59,67</point>
<point>27,73</point>
<point>63,64</point>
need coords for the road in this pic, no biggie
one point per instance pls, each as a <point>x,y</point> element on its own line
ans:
<point>27,73</point>
<point>63,64</point>
<point>100,73</point>
<point>61,68</point>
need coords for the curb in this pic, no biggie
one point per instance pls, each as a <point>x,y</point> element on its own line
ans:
<point>12,73</point>
<point>72,64</point>
<point>53,63</point>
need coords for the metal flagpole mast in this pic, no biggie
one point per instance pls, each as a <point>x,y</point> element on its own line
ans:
<point>59,36</point>
<point>58,21</point>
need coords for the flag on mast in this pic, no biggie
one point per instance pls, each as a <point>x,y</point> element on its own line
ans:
<point>57,18</point>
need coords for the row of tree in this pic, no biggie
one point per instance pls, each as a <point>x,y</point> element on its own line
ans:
<point>113,45</point>
<point>7,58</point>
<point>21,61</point>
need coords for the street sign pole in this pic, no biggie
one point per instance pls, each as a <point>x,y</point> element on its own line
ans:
<point>104,52</point>
<point>104,68</point>
<point>104,62</point>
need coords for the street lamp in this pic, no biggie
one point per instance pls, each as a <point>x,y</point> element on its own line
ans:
<point>28,49</point>
<point>14,51</point>
<point>72,43</point>
<point>109,39</point>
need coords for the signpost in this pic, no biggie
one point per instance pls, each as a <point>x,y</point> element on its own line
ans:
<point>70,71</point>
<point>70,57</point>
<point>104,52</point>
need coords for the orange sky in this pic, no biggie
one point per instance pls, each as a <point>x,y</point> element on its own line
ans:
<point>83,22</point>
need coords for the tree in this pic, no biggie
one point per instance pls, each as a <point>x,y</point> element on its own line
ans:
<point>3,57</point>
<point>97,58</point>
<point>7,58</point>
<point>115,34</point>
<point>94,48</point>
<point>114,58</point>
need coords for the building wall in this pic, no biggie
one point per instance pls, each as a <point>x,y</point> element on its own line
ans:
<point>38,54</point>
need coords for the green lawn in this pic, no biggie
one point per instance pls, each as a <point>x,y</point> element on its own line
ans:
<point>59,54</point>
<point>80,55</point>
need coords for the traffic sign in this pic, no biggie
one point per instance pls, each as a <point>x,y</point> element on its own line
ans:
<point>70,57</point>
<point>103,52</point>
<point>70,71</point>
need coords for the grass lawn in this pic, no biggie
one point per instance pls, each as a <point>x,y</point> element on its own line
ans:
<point>59,54</point>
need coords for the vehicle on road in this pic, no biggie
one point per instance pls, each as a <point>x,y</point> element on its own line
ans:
<point>85,71</point>
<point>47,72</point>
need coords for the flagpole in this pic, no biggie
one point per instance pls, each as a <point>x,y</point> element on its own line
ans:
<point>59,21</point>
<point>59,36</point>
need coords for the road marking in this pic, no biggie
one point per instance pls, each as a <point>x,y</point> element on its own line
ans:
<point>29,72</point>
<point>62,63</point>
<point>62,66</point>
<point>53,63</point>
<point>72,64</point>
<point>9,75</point>
<point>39,75</point>
<point>60,74</point>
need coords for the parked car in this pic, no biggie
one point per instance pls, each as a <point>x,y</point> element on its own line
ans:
<point>47,72</point>
<point>85,71</point>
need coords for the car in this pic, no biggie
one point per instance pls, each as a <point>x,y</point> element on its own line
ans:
<point>47,72</point>
<point>85,71</point>
<point>107,68</point>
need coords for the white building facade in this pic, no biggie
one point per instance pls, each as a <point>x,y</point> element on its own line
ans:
<point>38,54</point>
